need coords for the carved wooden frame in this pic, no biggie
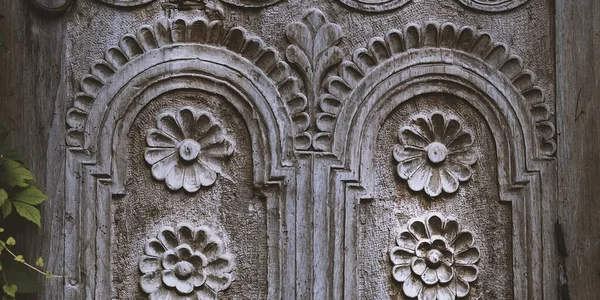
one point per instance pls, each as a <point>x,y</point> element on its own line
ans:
<point>174,55</point>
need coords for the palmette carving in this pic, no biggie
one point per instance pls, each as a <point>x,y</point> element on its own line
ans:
<point>313,51</point>
<point>435,154</point>
<point>435,259</point>
<point>185,263</point>
<point>187,149</point>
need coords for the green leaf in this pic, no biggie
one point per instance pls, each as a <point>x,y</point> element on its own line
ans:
<point>6,209</point>
<point>19,258</point>
<point>48,275</point>
<point>15,174</point>
<point>10,289</point>
<point>3,196</point>
<point>30,195</point>
<point>39,262</point>
<point>28,212</point>
<point>26,279</point>
<point>11,241</point>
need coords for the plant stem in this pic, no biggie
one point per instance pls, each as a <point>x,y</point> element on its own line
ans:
<point>25,263</point>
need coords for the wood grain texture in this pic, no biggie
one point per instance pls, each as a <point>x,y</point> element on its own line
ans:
<point>578,82</point>
<point>30,86</point>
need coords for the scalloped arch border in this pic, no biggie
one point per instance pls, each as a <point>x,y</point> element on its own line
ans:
<point>467,40</point>
<point>167,33</point>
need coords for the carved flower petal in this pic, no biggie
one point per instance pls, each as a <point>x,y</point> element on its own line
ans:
<point>434,225</point>
<point>422,248</point>
<point>197,279</point>
<point>462,287</point>
<point>185,232</point>
<point>150,282</point>
<point>184,287</point>
<point>159,139</point>
<point>161,294</point>
<point>444,273</point>
<point>417,228</point>
<point>213,249</point>
<point>428,293</point>
<point>450,229</point>
<point>174,178</point>
<point>167,123</point>
<point>148,264</point>
<point>219,282</point>
<point>187,123</point>
<point>168,237</point>
<point>448,257</point>
<point>467,273</point>
<point>462,172</point>
<point>214,135</point>
<point>407,241</point>
<point>191,180</point>
<point>433,187</point>
<point>401,273</point>
<point>201,237</point>
<point>163,167</point>
<point>401,256</point>
<point>222,264</point>
<point>402,153</point>
<point>412,287</point>
<point>184,252</point>
<point>408,167</point>
<point>463,241</point>
<point>153,155</point>
<point>438,126</point>
<point>205,293</point>
<point>466,156</point>
<point>419,178</point>
<point>419,266</point>
<point>410,137</point>
<point>429,276</point>
<point>449,181</point>
<point>205,175</point>
<point>445,293</point>
<point>169,278</point>
<point>463,140</point>
<point>170,259</point>
<point>453,128</point>
<point>422,127</point>
<point>439,244</point>
<point>198,260</point>
<point>222,149</point>
<point>203,124</point>
<point>468,257</point>
<point>154,248</point>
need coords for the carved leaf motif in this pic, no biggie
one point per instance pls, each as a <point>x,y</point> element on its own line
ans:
<point>429,264</point>
<point>190,261</point>
<point>314,52</point>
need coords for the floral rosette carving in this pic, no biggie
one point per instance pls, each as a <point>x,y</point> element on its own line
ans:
<point>435,259</point>
<point>435,154</point>
<point>187,149</point>
<point>186,263</point>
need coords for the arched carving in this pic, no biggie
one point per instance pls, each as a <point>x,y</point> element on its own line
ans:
<point>493,5</point>
<point>251,3</point>
<point>126,3</point>
<point>375,6</point>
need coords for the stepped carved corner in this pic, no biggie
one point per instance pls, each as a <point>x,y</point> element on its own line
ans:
<point>449,60</point>
<point>187,145</point>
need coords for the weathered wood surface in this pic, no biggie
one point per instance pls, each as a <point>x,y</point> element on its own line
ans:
<point>30,106</point>
<point>578,106</point>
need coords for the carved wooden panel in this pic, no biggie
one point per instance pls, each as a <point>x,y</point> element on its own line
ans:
<point>311,150</point>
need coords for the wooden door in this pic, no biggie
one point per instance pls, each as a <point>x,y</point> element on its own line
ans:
<point>339,149</point>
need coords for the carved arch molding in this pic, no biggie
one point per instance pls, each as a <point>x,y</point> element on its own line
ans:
<point>442,105</point>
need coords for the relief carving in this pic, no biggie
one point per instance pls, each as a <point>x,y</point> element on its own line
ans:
<point>314,52</point>
<point>126,3</point>
<point>188,262</point>
<point>187,149</point>
<point>492,5</point>
<point>375,6</point>
<point>251,3</point>
<point>435,154</point>
<point>435,259</point>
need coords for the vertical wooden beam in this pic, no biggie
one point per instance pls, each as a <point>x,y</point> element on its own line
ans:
<point>578,109</point>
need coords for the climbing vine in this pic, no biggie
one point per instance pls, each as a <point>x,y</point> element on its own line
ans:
<point>19,199</point>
